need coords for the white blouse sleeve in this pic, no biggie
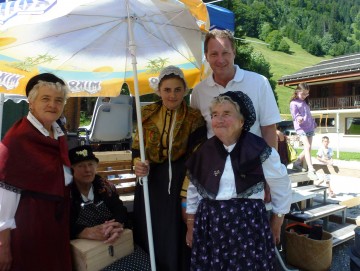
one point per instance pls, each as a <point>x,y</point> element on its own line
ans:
<point>9,202</point>
<point>279,182</point>
<point>193,198</point>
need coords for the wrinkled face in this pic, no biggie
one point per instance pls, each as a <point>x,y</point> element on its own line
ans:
<point>47,105</point>
<point>84,172</point>
<point>303,94</point>
<point>220,56</point>
<point>226,122</point>
<point>172,92</point>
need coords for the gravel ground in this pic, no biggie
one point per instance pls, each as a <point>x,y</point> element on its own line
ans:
<point>341,258</point>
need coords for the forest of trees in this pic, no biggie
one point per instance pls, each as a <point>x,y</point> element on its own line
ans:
<point>323,27</point>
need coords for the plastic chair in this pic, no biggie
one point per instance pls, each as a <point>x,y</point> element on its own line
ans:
<point>111,125</point>
<point>121,99</point>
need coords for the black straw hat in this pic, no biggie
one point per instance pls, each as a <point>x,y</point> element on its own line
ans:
<point>47,77</point>
<point>81,153</point>
<point>246,107</point>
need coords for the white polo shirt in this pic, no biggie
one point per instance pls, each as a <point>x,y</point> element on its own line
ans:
<point>256,86</point>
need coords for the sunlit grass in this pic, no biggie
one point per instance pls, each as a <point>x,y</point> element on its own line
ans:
<point>286,64</point>
<point>347,156</point>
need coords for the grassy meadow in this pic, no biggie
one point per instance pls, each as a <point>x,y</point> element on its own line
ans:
<point>285,64</point>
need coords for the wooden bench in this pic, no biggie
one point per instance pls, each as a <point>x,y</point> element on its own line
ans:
<point>314,189</point>
<point>116,166</point>
<point>316,212</point>
<point>120,173</point>
<point>335,170</point>
<point>341,232</point>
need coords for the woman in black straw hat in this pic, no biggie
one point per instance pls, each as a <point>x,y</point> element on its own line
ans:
<point>34,178</point>
<point>228,227</point>
<point>97,212</point>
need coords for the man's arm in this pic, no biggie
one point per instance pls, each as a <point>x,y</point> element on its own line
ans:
<point>269,134</point>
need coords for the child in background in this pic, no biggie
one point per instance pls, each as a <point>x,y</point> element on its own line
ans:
<point>304,125</point>
<point>324,155</point>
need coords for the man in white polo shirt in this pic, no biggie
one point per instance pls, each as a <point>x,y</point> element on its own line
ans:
<point>220,54</point>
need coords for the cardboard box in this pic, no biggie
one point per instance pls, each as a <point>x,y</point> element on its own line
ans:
<point>91,255</point>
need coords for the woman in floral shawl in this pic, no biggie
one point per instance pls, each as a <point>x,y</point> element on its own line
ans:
<point>172,130</point>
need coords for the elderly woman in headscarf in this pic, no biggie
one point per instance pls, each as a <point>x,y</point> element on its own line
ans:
<point>172,130</point>
<point>228,226</point>
<point>34,178</point>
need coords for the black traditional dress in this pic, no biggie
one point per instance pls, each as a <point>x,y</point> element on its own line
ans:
<point>231,234</point>
<point>169,230</point>
<point>105,206</point>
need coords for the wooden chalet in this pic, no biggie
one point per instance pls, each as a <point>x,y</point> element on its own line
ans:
<point>334,97</point>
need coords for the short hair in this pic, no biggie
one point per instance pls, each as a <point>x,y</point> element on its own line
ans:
<point>324,138</point>
<point>217,33</point>
<point>56,86</point>
<point>222,99</point>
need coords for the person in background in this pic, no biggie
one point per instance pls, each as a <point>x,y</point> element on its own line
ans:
<point>304,125</point>
<point>34,178</point>
<point>228,225</point>
<point>172,130</point>
<point>97,212</point>
<point>324,155</point>
<point>282,146</point>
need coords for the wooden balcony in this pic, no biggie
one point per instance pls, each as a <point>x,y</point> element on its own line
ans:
<point>344,102</point>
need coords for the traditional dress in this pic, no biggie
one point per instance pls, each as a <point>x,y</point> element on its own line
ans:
<point>104,206</point>
<point>231,228</point>
<point>186,127</point>
<point>32,165</point>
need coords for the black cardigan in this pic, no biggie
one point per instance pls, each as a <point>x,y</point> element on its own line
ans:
<point>103,191</point>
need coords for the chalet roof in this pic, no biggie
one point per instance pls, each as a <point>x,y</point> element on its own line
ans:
<point>342,66</point>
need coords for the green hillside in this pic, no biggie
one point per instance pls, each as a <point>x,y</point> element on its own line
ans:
<point>285,64</point>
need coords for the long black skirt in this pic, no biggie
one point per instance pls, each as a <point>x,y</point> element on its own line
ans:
<point>232,235</point>
<point>169,230</point>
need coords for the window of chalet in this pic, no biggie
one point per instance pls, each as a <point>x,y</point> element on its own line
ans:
<point>352,126</point>
<point>325,122</point>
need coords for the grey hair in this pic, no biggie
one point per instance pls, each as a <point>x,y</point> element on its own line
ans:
<point>223,99</point>
<point>56,86</point>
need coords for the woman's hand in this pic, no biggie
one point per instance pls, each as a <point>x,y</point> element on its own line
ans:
<point>300,119</point>
<point>112,231</point>
<point>190,229</point>
<point>275,225</point>
<point>142,169</point>
<point>108,232</point>
<point>5,250</point>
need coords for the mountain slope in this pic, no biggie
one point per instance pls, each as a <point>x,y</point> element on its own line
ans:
<point>283,64</point>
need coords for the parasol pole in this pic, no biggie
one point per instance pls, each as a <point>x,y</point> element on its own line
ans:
<point>2,101</point>
<point>132,49</point>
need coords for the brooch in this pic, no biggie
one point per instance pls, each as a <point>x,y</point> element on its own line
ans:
<point>216,172</point>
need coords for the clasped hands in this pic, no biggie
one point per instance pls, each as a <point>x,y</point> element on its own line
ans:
<point>108,232</point>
